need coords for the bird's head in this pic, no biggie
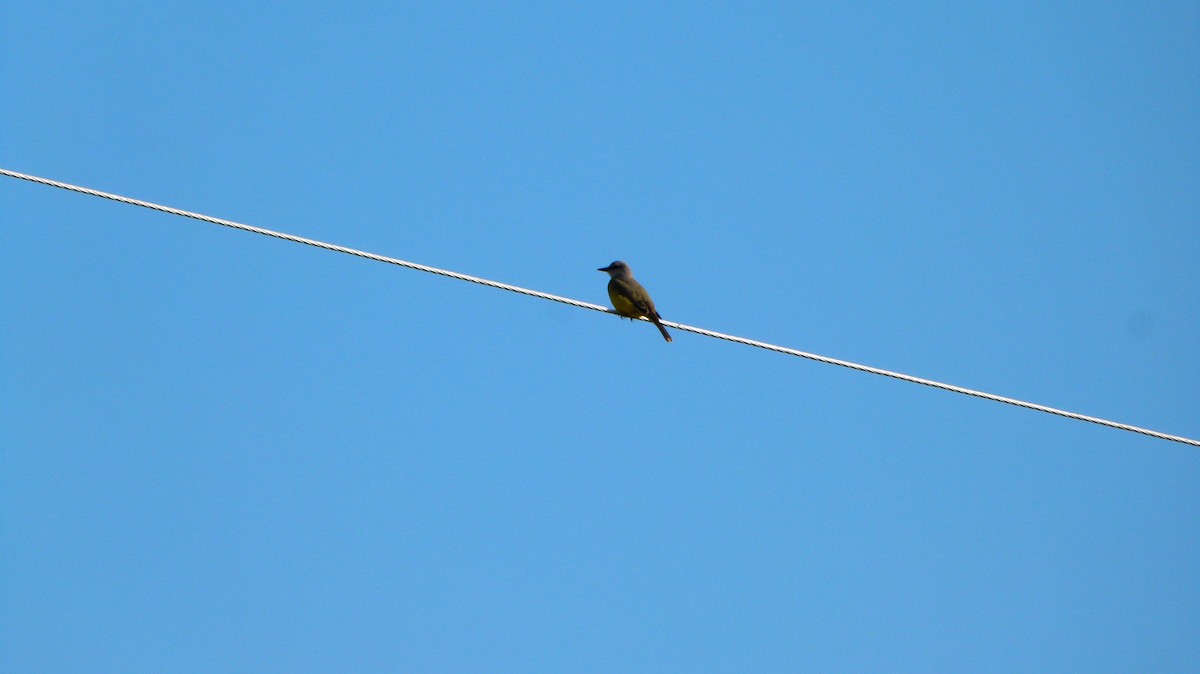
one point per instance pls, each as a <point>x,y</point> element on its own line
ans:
<point>617,268</point>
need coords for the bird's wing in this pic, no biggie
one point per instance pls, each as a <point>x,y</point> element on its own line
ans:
<point>637,295</point>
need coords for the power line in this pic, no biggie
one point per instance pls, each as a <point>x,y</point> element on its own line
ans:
<point>595,307</point>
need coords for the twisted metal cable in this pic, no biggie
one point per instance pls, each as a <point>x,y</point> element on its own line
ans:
<point>595,307</point>
<point>300,239</point>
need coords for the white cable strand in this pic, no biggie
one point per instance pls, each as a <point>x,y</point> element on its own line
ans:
<point>300,239</point>
<point>596,307</point>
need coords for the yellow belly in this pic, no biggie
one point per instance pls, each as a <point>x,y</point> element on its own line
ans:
<point>623,305</point>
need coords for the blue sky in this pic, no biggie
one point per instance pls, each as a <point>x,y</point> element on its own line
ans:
<point>222,452</point>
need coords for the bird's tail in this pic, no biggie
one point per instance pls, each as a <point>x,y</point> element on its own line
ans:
<point>665,334</point>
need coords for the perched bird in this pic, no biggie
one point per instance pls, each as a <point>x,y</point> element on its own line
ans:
<point>628,296</point>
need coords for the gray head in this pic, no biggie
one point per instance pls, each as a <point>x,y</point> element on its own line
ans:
<point>616,269</point>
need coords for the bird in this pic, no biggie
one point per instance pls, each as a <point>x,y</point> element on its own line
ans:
<point>629,298</point>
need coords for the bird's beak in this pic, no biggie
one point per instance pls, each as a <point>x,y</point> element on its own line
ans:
<point>602,269</point>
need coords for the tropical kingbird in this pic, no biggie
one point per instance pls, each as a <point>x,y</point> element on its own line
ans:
<point>629,298</point>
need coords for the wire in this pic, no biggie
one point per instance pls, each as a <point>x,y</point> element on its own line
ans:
<point>595,307</point>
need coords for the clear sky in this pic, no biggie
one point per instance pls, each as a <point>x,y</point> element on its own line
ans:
<point>223,452</point>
